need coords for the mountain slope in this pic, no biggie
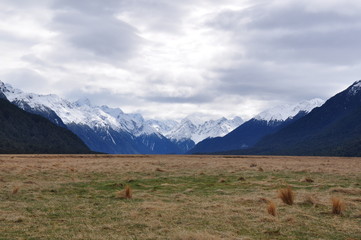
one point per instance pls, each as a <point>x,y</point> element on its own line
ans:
<point>22,132</point>
<point>332,129</point>
<point>103,129</point>
<point>250,132</point>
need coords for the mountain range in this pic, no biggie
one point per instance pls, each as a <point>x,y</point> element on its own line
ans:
<point>263,124</point>
<point>110,130</point>
<point>313,127</point>
<point>333,129</point>
<point>22,132</point>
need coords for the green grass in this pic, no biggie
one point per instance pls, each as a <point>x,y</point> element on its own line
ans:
<point>174,205</point>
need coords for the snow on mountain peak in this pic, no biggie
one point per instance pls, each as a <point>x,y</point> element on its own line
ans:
<point>355,88</point>
<point>196,126</point>
<point>283,112</point>
<point>83,101</point>
<point>197,130</point>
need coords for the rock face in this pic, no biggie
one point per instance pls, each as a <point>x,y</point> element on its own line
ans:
<point>22,132</point>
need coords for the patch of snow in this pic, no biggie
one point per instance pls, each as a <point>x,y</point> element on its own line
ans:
<point>283,112</point>
<point>355,88</point>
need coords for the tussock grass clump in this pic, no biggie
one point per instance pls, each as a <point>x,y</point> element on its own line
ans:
<point>286,195</point>
<point>222,180</point>
<point>241,179</point>
<point>127,193</point>
<point>338,206</point>
<point>15,190</point>
<point>271,208</point>
<point>159,170</point>
<point>307,179</point>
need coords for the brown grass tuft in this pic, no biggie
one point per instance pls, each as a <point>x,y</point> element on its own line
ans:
<point>307,179</point>
<point>16,190</point>
<point>241,179</point>
<point>271,208</point>
<point>338,206</point>
<point>287,196</point>
<point>126,193</point>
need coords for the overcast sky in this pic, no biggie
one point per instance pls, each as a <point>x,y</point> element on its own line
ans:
<point>168,59</point>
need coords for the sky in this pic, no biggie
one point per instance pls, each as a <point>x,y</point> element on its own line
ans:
<point>168,59</point>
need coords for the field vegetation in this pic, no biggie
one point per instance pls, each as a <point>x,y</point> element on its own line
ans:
<point>179,197</point>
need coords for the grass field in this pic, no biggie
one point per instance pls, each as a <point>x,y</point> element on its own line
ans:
<point>177,197</point>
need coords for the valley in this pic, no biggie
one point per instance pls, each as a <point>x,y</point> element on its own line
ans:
<point>177,197</point>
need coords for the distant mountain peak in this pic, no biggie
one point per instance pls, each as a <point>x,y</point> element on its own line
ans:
<point>193,127</point>
<point>355,87</point>
<point>84,101</point>
<point>5,87</point>
<point>283,112</point>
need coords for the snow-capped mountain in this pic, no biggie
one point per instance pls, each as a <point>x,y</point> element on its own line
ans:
<point>250,132</point>
<point>333,129</point>
<point>103,129</point>
<point>283,112</point>
<point>80,112</point>
<point>110,130</point>
<point>193,128</point>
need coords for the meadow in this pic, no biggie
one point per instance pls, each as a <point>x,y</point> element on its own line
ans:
<point>179,197</point>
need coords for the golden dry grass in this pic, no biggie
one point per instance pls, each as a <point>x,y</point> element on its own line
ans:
<point>271,208</point>
<point>175,197</point>
<point>338,206</point>
<point>286,195</point>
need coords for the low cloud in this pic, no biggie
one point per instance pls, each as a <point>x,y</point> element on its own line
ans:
<point>168,59</point>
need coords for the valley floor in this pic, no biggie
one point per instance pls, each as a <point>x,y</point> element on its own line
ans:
<point>177,197</point>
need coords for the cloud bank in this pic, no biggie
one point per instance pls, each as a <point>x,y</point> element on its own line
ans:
<point>169,59</point>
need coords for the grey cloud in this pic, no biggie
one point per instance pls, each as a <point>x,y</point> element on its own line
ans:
<point>15,39</point>
<point>95,7</point>
<point>25,79</point>
<point>294,33</point>
<point>195,99</point>
<point>288,83</point>
<point>248,79</point>
<point>160,15</point>
<point>103,96</point>
<point>295,17</point>
<point>95,29</point>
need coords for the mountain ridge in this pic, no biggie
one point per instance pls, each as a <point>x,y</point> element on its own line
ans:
<point>99,124</point>
<point>333,129</point>
<point>250,132</point>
